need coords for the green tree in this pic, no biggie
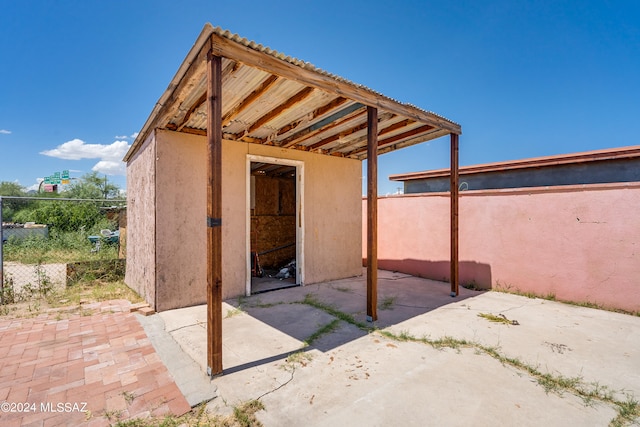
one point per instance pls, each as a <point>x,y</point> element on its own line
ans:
<point>62,216</point>
<point>92,186</point>
<point>9,206</point>
<point>11,189</point>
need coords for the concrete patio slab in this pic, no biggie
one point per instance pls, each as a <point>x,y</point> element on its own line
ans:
<point>352,375</point>
<point>194,384</point>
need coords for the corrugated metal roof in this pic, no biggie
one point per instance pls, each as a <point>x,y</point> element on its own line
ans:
<point>271,98</point>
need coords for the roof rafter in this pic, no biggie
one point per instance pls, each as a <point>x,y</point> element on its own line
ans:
<point>349,132</point>
<point>352,112</point>
<point>249,99</point>
<point>289,103</point>
<point>333,104</point>
<point>402,136</point>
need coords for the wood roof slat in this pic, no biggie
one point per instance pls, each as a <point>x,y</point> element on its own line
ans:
<point>191,110</point>
<point>405,135</point>
<point>333,104</point>
<point>345,134</point>
<point>248,100</point>
<point>345,115</point>
<point>289,103</point>
<point>337,136</point>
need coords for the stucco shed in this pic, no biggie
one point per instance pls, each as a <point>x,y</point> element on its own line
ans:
<point>245,136</point>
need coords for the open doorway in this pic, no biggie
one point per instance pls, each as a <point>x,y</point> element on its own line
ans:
<point>273,224</point>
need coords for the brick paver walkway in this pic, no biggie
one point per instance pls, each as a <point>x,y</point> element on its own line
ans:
<point>90,368</point>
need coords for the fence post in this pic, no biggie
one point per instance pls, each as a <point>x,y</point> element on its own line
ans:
<point>1,257</point>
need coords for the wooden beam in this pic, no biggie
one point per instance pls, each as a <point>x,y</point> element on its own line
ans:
<point>214,215</point>
<point>404,135</point>
<point>339,135</point>
<point>275,112</point>
<point>406,143</point>
<point>226,47</point>
<point>359,138</point>
<point>193,131</point>
<point>396,126</point>
<point>454,215</point>
<point>201,100</point>
<point>228,70</point>
<point>372,214</point>
<point>352,112</point>
<point>249,99</point>
<point>309,118</point>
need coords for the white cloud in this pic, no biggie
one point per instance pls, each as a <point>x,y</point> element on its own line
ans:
<point>110,167</point>
<point>121,137</point>
<point>5,132</point>
<point>110,155</point>
<point>135,135</point>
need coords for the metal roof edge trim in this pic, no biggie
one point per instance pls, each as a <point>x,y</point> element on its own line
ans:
<point>533,162</point>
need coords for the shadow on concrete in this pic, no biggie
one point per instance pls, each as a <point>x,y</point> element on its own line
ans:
<point>471,272</point>
<point>303,313</point>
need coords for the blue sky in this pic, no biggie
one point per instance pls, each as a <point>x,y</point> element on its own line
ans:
<point>524,78</point>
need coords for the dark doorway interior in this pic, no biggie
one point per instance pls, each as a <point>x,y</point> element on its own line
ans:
<point>273,227</point>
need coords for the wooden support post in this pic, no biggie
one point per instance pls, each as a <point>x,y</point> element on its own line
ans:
<point>372,213</point>
<point>214,215</point>
<point>454,215</point>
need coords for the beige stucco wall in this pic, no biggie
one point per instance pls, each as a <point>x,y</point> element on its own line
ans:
<point>577,243</point>
<point>332,216</point>
<point>141,213</point>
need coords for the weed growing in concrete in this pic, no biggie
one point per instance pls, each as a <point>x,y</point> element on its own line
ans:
<point>500,318</point>
<point>313,302</point>
<point>242,299</point>
<point>471,285</point>
<point>326,329</point>
<point>446,342</point>
<point>298,358</point>
<point>265,304</point>
<point>245,413</point>
<point>233,312</point>
<point>628,410</point>
<point>387,303</point>
<point>243,416</point>
<point>509,289</point>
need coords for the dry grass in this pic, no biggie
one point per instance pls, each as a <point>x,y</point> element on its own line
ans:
<point>70,299</point>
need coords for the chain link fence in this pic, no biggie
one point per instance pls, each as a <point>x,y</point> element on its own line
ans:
<point>47,243</point>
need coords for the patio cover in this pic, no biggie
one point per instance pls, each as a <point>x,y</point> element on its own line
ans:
<point>258,95</point>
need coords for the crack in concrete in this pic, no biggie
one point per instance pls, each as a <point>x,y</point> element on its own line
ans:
<point>293,371</point>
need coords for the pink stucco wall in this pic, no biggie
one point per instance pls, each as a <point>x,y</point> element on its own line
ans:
<point>579,243</point>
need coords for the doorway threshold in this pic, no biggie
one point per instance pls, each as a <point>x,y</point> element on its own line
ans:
<point>269,287</point>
